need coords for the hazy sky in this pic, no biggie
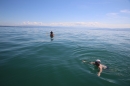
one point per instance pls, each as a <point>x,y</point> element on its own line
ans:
<point>85,13</point>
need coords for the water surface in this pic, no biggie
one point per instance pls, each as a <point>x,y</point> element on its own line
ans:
<point>29,57</point>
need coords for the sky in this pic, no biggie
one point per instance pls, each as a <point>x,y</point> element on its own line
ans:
<point>73,13</point>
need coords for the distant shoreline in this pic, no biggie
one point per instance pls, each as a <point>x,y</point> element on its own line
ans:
<point>89,28</point>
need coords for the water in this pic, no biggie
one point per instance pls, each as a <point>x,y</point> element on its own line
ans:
<point>28,57</point>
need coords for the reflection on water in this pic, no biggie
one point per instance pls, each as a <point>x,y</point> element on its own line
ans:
<point>52,39</point>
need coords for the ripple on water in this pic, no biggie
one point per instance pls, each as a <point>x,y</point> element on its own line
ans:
<point>30,56</point>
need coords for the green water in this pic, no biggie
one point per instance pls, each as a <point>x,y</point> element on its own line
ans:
<point>29,57</point>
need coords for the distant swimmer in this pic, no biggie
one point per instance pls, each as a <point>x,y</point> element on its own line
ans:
<point>99,65</point>
<point>51,34</point>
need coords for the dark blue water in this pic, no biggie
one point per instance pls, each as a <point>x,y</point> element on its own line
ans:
<point>29,57</point>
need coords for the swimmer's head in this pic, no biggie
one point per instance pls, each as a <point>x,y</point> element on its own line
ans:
<point>99,61</point>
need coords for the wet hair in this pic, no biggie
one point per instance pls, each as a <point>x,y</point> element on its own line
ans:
<point>97,63</point>
<point>51,32</point>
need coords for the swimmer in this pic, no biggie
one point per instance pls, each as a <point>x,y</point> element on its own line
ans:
<point>51,34</point>
<point>99,65</point>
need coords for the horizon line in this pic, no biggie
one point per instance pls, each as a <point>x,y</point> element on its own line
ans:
<point>62,26</point>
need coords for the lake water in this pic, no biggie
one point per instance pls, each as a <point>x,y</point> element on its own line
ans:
<point>29,57</point>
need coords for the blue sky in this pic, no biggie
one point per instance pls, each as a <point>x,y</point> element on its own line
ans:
<point>84,13</point>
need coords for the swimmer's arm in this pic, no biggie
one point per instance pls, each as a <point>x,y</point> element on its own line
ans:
<point>92,62</point>
<point>100,70</point>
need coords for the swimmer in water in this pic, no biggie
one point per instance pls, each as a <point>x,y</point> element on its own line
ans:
<point>99,65</point>
<point>51,34</point>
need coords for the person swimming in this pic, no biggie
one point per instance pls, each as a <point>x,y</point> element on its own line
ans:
<point>99,65</point>
<point>51,34</point>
